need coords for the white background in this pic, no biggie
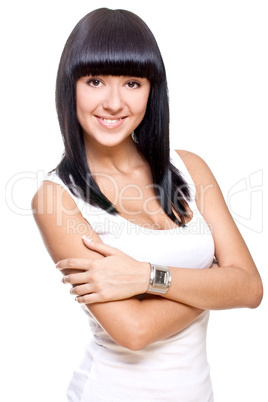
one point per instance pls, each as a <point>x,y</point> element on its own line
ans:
<point>216,59</point>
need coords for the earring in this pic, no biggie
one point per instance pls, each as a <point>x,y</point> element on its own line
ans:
<point>134,137</point>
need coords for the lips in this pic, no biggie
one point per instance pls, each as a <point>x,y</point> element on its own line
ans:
<point>110,122</point>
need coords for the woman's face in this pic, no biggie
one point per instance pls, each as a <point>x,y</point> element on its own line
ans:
<point>109,108</point>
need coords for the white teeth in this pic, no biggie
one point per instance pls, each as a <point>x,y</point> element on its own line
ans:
<point>108,121</point>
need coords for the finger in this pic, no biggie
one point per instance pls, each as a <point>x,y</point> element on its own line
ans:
<point>100,247</point>
<point>90,298</point>
<point>82,290</point>
<point>75,263</point>
<point>76,279</point>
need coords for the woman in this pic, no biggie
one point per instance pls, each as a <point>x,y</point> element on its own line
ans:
<point>134,227</point>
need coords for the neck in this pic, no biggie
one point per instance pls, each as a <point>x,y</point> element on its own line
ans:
<point>115,159</point>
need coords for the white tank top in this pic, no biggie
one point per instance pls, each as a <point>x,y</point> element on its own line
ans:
<point>171,370</point>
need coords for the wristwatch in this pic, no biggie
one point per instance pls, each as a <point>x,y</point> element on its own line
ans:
<point>160,279</point>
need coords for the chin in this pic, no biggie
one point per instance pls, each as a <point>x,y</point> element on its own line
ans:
<point>113,140</point>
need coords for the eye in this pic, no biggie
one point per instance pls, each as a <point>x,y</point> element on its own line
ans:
<point>133,84</point>
<point>94,82</point>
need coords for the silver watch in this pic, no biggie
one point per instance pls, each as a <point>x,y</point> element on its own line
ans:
<point>160,279</point>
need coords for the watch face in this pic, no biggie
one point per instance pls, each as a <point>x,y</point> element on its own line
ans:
<point>160,277</point>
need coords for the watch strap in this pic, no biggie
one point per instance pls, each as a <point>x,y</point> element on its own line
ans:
<point>160,279</point>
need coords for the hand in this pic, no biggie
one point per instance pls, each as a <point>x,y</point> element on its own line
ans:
<point>117,276</point>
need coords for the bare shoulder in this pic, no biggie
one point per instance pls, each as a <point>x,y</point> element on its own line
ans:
<point>197,167</point>
<point>51,198</point>
<point>189,157</point>
<point>60,221</point>
<point>51,204</point>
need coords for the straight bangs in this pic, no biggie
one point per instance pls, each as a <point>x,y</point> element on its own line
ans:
<point>118,43</point>
<point>115,42</point>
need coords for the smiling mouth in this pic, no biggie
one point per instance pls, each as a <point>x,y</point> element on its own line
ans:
<point>110,121</point>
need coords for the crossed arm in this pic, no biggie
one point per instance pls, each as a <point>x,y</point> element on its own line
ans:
<point>131,322</point>
<point>103,283</point>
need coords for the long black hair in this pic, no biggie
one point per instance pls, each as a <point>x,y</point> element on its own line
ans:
<point>117,43</point>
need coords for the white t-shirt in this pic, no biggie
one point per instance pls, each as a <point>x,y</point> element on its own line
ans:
<point>171,370</point>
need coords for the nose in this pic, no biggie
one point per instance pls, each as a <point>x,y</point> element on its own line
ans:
<point>113,100</point>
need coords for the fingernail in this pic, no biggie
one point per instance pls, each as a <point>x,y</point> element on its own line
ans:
<point>87,239</point>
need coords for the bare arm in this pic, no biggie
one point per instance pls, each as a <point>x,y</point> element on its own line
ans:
<point>131,323</point>
<point>235,283</point>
